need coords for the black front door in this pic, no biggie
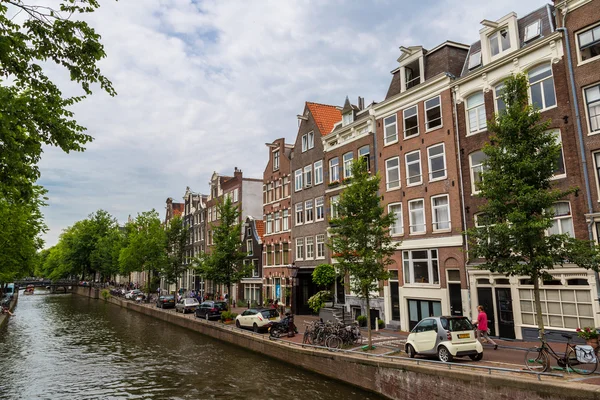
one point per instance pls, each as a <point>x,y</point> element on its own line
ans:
<point>455,299</point>
<point>506,322</point>
<point>395,297</point>
<point>339,290</point>
<point>484,295</point>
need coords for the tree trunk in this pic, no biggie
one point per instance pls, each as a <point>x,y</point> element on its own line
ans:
<point>538,304</point>
<point>370,339</point>
<point>229,296</point>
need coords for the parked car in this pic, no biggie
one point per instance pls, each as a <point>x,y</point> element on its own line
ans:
<point>446,337</point>
<point>188,304</point>
<point>167,301</point>
<point>211,309</point>
<point>132,294</point>
<point>257,319</point>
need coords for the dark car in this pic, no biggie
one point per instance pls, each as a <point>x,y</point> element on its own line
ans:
<point>211,309</point>
<point>167,301</point>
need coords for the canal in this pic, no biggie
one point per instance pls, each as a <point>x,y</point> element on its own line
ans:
<point>72,347</point>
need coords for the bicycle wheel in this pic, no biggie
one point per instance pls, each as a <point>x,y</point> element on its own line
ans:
<point>581,367</point>
<point>536,360</point>
<point>307,339</point>
<point>333,342</point>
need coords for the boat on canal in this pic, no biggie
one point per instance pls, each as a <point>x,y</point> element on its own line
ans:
<point>29,289</point>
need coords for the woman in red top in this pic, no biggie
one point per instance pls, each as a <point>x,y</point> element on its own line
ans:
<point>482,327</point>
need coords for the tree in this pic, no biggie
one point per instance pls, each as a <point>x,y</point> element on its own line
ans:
<point>323,276</point>
<point>223,264</point>
<point>517,235</point>
<point>105,257</point>
<point>360,241</point>
<point>177,235</point>
<point>34,110</point>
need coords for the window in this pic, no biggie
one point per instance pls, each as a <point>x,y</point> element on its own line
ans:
<point>299,214</point>
<point>533,30</point>
<point>286,253</point>
<point>308,176</point>
<point>277,189</point>
<point>413,168</point>
<point>541,85</point>
<point>333,202</point>
<point>440,213</point>
<point>412,74</point>
<point>416,216</point>
<point>311,140</point>
<point>286,186</point>
<point>397,228</point>
<point>235,195</point>
<point>304,143</point>
<point>559,169</point>
<point>499,42</point>
<point>390,128</point>
<point>308,211</point>
<point>299,248</point>
<point>563,220</point>
<point>269,224</point>
<point>475,60</point>
<point>498,93</point>
<point>476,160</point>
<point>589,43</point>
<point>310,247</point>
<point>392,173</point>
<point>286,220</point>
<point>319,208</point>
<point>277,222</point>
<point>346,119</point>
<point>437,162</point>
<point>562,307</point>
<point>318,172</point>
<point>334,171</point>
<point>411,122</point>
<point>592,101</point>
<point>249,247</point>
<point>320,246</point>
<point>433,113</point>
<point>421,266</point>
<point>298,180</point>
<point>270,255</point>
<point>363,152</point>
<point>276,160</point>
<point>348,165</point>
<point>476,113</point>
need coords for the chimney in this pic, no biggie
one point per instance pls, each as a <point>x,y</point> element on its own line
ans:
<point>361,103</point>
<point>237,173</point>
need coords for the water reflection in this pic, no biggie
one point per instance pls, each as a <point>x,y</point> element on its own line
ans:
<point>72,347</point>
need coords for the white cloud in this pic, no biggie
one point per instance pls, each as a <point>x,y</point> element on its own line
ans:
<point>203,85</point>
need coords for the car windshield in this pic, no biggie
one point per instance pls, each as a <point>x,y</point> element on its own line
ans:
<point>456,324</point>
<point>221,305</point>
<point>270,313</point>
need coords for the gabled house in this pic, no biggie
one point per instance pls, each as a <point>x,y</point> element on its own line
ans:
<point>194,218</point>
<point>250,287</point>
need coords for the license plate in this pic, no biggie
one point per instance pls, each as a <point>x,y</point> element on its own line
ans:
<point>272,319</point>
<point>464,335</point>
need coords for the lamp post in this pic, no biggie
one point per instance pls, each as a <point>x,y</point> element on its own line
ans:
<point>293,271</point>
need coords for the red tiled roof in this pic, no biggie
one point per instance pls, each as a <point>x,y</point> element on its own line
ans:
<point>260,227</point>
<point>325,116</point>
<point>178,208</point>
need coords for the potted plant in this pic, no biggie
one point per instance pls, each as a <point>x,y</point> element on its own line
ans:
<point>318,300</point>
<point>589,334</point>
<point>381,323</point>
<point>362,320</point>
<point>227,317</point>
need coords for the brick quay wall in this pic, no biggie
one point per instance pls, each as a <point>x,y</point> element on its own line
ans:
<point>394,379</point>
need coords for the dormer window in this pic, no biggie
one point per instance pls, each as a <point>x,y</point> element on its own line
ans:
<point>347,119</point>
<point>413,74</point>
<point>533,30</point>
<point>475,60</point>
<point>499,42</point>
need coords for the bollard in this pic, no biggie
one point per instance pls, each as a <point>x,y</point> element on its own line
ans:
<point>248,304</point>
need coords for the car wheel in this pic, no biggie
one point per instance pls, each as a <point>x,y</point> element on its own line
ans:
<point>410,351</point>
<point>255,328</point>
<point>476,357</point>
<point>444,354</point>
<point>237,323</point>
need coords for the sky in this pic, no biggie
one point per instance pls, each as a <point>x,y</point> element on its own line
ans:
<point>203,85</point>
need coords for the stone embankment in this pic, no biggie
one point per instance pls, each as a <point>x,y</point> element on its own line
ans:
<point>394,378</point>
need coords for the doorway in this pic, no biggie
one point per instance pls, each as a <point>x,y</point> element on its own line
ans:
<point>419,309</point>
<point>340,295</point>
<point>455,299</point>
<point>484,295</point>
<point>506,322</point>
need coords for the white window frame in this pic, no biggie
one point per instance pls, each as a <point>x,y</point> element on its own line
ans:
<point>318,167</point>
<point>309,211</point>
<point>277,222</point>
<point>298,180</point>
<point>334,170</point>
<point>472,168</point>
<point>596,104</point>
<point>308,176</point>
<point>304,142</point>
<point>558,219</point>
<point>249,247</point>
<point>497,97</point>
<point>412,225</point>
<point>320,247</point>
<point>562,154</point>
<point>407,163</point>
<point>532,30</point>
<point>478,109</point>
<point>333,202</point>
<point>347,118</point>
<point>311,140</point>
<point>594,29</point>
<point>430,158</point>
<point>285,225</point>
<point>320,205</point>
<point>364,152</point>
<point>235,195</point>
<point>428,127</point>
<point>404,120</point>
<point>299,213</point>
<point>397,228</point>
<point>299,249</point>
<point>269,224</point>
<point>434,222</point>
<point>497,35</point>
<point>389,139</point>
<point>542,88</point>
<point>432,265</point>
<point>309,248</point>
<point>387,174</point>
<point>474,60</point>
<point>348,164</point>
<point>275,160</point>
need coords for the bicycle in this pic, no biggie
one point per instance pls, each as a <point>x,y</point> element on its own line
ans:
<point>537,359</point>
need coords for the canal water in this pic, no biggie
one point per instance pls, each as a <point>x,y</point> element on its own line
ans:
<point>72,347</point>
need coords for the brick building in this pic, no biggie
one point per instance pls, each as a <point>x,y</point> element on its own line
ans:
<point>194,218</point>
<point>308,197</point>
<point>250,287</point>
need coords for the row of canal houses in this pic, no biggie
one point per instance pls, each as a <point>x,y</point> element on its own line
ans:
<point>425,139</point>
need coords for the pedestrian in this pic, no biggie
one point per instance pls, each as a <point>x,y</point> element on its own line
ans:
<point>6,310</point>
<point>482,327</point>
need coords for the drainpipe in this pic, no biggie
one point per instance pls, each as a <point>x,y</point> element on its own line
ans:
<point>586,177</point>
<point>374,133</point>
<point>462,191</point>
